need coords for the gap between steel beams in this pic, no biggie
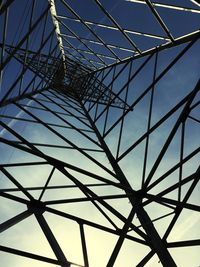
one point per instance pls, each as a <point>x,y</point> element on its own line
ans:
<point>91,53</point>
<point>149,87</point>
<point>64,139</point>
<point>164,118</point>
<point>89,192</point>
<point>32,9</point>
<point>114,78</point>
<point>130,107</point>
<point>20,43</point>
<point>146,151</point>
<point>117,25</point>
<point>29,51</point>
<point>159,19</point>
<point>82,56</point>
<point>182,117</point>
<point>168,190</point>
<point>178,210</point>
<point>98,43</point>
<point>15,182</point>
<point>81,59</point>
<point>173,168</point>
<point>92,224</point>
<point>83,22</point>
<point>66,49</point>
<point>79,39</point>
<point>21,97</point>
<point>158,218</point>
<point>80,119</point>
<point>50,124</point>
<point>27,67</point>
<point>154,36</point>
<point>69,101</point>
<point>121,238</point>
<point>52,160</point>
<point>180,8</point>
<point>178,41</point>
<point>80,131</point>
<point>63,170</point>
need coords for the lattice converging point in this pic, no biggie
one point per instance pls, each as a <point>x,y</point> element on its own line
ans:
<point>99,133</point>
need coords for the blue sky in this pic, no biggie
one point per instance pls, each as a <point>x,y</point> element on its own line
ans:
<point>172,88</point>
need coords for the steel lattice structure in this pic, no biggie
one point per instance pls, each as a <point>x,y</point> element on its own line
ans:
<point>99,133</point>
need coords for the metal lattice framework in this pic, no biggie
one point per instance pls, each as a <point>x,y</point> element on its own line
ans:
<point>99,133</point>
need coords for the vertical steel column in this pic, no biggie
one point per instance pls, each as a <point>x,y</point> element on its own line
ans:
<point>83,242</point>
<point>51,239</point>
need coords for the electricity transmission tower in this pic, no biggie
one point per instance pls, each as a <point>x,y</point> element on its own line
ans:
<point>100,126</point>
